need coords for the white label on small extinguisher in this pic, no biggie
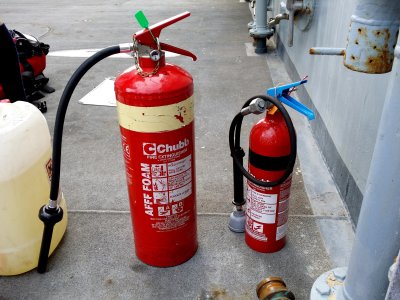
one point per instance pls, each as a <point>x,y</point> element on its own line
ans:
<point>283,213</point>
<point>281,231</point>
<point>261,207</point>
<point>254,229</point>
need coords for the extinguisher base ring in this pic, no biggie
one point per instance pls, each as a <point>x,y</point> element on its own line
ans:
<point>237,221</point>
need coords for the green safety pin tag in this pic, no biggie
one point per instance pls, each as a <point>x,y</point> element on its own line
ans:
<point>142,20</point>
<point>144,23</point>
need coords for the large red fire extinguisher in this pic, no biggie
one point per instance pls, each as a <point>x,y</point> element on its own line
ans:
<point>272,155</point>
<point>155,111</point>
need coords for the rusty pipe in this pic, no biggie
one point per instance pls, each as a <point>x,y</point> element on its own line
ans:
<point>327,51</point>
<point>372,36</point>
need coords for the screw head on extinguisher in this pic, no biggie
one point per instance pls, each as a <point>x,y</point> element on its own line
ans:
<point>257,106</point>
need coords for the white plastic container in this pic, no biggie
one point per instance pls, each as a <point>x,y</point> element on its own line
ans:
<point>25,169</point>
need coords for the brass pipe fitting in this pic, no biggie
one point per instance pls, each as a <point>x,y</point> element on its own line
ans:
<point>273,288</point>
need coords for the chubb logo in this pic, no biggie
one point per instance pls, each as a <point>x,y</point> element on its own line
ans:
<point>154,149</point>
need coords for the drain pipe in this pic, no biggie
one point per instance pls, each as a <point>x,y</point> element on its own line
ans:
<point>261,31</point>
<point>377,239</point>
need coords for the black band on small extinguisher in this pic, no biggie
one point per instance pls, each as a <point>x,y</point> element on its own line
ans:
<point>268,163</point>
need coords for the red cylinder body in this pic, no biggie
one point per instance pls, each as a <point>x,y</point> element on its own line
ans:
<point>157,129</point>
<point>268,208</point>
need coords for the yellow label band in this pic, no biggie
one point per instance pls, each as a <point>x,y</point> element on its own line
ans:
<point>156,119</point>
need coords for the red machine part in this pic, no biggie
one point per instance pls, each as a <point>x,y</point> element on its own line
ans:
<point>37,63</point>
<point>157,129</point>
<point>268,208</point>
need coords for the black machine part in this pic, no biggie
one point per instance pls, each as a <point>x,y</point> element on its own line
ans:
<point>10,75</point>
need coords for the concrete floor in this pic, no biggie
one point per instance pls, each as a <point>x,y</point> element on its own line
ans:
<point>96,258</point>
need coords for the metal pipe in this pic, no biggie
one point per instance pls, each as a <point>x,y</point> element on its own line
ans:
<point>373,32</point>
<point>252,10</point>
<point>372,36</point>
<point>277,19</point>
<point>291,28</point>
<point>261,15</point>
<point>260,30</point>
<point>292,6</point>
<point>377,239</point>
<point>327,51</point>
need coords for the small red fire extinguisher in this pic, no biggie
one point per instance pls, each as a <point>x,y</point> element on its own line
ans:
<point>155,112</point>
<point>272,155</point>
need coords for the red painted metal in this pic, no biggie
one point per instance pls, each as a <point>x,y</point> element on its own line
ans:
<point>160,168</point>
<point>268,208</point>
<point>38,64</point>
<point>144,37</point>
<point>170,85</point>
<point>2,94</point>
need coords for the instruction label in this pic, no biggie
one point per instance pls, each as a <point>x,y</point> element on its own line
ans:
<point>165,186</point>
<point>160,176</point>
<point>267,211</point>
<point>163,183</point>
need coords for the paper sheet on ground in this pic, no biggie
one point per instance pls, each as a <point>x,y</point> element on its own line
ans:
<point>103,94</point>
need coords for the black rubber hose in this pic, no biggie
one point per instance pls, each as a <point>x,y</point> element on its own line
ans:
<point>62,109</point>
<point>238,196</point>
<point>234,142</point>
<point>52,215</point>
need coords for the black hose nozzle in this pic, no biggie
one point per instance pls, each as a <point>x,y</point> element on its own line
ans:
<point>238,196</point>
<point>50,217</point>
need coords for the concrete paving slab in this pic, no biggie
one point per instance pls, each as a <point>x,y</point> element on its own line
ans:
<point>96,261</point>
